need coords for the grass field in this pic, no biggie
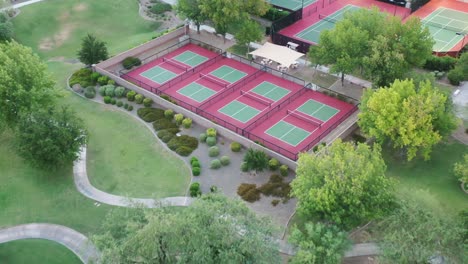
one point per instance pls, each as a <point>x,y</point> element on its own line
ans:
<point>32,251</point>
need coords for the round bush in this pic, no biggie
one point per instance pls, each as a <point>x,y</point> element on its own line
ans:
<point>196,164</point>
<point>211,132</point>
<point>103,80</point>
<point>113,101</point>
<point>119,104</point>
<point>130,62</point>
<point>139,98</point>
<point>210,141</point>
<point>215,164</point>
<point>236,147</point>
<point>455,76</point>
<point>119,91</point>
<point>107,100</point>
<point>169,113</point>
<point>213,151</point>
<point>183,151</point>
<point>225,160</point>
<point>90,92</point>
<point>110,90</point>
<point>193,159</point>
<point>102,90</point>
<point>187,123</point>
<point>178,119</point>
<point>244,167</point>
<point>126,106</point>
<point>284,170</point>
<point>147,102</point>
<point>130,108</point>
<point>196,171</point>
<point>131,96</point>
<point>111,82</point>
<point>195,189</point>
<point>202,137</point>
<point>273,164</point>
<point>94,77</point>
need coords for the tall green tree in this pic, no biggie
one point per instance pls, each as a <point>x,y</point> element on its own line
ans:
<point>212,230</point>
<point>256,159</point>
<point>414,234</point>
<point>412,117</point>
<point>92,50</point>
<point>24,83</point>
<point>50,139</point>
<point>344,184</point>
<point>191,10</point>
<point>319,244</point>
<point>250,31</point>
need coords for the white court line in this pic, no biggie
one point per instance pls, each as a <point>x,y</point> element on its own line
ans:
<point>310,133</point>
<point>240,96</point>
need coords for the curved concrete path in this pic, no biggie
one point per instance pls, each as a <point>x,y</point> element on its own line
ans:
<point>71,239</point>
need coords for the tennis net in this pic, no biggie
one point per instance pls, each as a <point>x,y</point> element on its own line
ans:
<point>213,80</point>
<point>256,98</point>
<point>447,27</point>
<point>329,19</point>
<point>176,64</point>
<point>304,117</point>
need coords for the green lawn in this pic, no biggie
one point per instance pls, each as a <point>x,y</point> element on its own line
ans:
<point>55,28</point>
<point>36,251</point>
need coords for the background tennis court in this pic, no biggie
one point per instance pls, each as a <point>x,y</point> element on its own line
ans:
<point>317,110</point>
<point>158,74</point>
<point>291,4</point>
<point>270,91</point>
<point>190,58</point>
<point>288,133</point>
<point>196,92</point>
<point>239,111</point>
<point>444,24</point>
<point>228,74</point>
<point>312,33</point>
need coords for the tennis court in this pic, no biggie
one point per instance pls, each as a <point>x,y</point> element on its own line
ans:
<point>158,74</point>
<point>228,74</point>
<point>317,110</point>
<point>312,33</point>
<point>291,4</point>
<point>288,133</point>
<point>270,91</point>
<point>239,111</point>
<point>190,58</point>
<point>444,24</point>
<point>196,92</point>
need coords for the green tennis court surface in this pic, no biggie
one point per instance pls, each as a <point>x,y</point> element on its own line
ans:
<point>270,91</point>
<point>239,111</point>
<point>312,33</point>
<point>288,133</point>
<point>158,74</point>
<point>444,24</point>
<point>318,110</point>
<point>190,58</point>
<point>196,92</point>
<point>228,74</point>
<point>291,4</point>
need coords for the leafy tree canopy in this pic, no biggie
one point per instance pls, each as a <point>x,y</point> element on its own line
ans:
<point>250,31</point>
<point>191,10</point>
<point>413,117</point>
<point>92,50</point>
<point>344,184</point>
<point>212,230</point>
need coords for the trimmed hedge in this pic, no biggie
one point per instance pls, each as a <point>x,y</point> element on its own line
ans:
<point>165,135</point>
<point>90,92</point>
<point>273,164</point>
<point>150,114</point>
<point>130,62</point>
<point>139,98</point>
<point>213,151</point>
<point>236,147</point>
<point>161,124</point>
<point>103,80</point>
<point>178,119</point>
<point>435,63</point>
<point>215,164</point>
<point>119,91</point>
<point>183,151</point>
<point>147,102</point>
<point>83,77</point>
<point>455,76</point>
<point>131,96</point>
<point>187,123</point>
<point>169,113</point>
<point>225,160</point>
<point>202,137</point>
<point>284,170</point>
<point>211,141</point>
<point>193,159</point>
<point>183,140</point>
<point>110,90</point>
<point>102,90</point>
<point>196,171</point>
<point>195,189</point>
<point>159,8</point>
<point>107,99</point>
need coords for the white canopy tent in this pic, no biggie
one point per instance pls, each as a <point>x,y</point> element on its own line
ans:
<point>280,54</point>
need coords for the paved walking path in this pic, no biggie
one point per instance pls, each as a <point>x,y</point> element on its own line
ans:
<point>76,242</point>
<point>22,4</point>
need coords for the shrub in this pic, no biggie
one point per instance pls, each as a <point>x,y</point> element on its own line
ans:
<point>102,90</point>
<point>183,151</point>
<point>107,100</point>
<point>196,171</point>
<point>213,151</point>
<point>445,63</point>
<point>195,189</point>
<point>150,114</point>
<point>455,76</point>
<point>131,96</point>
<point>103,80</point>
<point>147,102</point>
<point>169,113</point>
<point>275,202</point>
<point>244,167</point>
<point>130,108</point>
<point>187,123</point>
<point>139,98</point>
<point>178,119</point>
<point>119,104</point>
<point>193,159</point>
<point>183,140</point>
<point>119,91</point>
<point>210,141</point>
<point>161,124</point>
<point>273,164</point>
<point>126,106</point>
<point>113,101</point>
<point>236,147</point>
<point>94,77</point>
<point>215,164</point>
<point>225,160</point>
<point>284,170</point>
<point>196,164</point>
<point>248,192</point>
<point>111,82</point>
<point>202,137</point>
<point>130,62</point>
<point>82,76</point>
<point>159,8</point>
<point>110,90</point>
<point>211,132</point>
<point>90,92</point>
<point>213,188</point>
<point>276,187</point>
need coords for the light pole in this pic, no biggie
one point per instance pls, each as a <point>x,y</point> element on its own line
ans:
<point>463,34</point>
